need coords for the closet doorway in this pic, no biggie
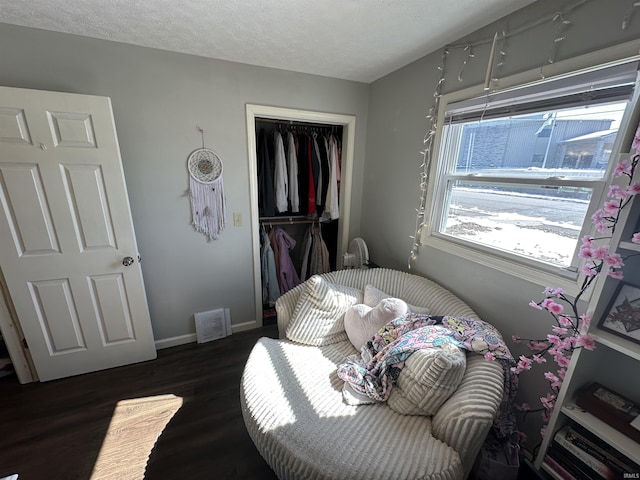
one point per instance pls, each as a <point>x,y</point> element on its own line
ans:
<point>343,123</point>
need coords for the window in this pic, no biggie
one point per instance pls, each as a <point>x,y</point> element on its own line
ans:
<point>519,171</point>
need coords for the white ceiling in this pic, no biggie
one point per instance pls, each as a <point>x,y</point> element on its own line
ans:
<point>359,40</point>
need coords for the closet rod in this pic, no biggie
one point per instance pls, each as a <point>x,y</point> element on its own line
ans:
<point>288,221</point>
<point>300,123</point>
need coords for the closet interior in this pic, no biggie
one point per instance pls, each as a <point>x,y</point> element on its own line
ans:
<point>299,175</point>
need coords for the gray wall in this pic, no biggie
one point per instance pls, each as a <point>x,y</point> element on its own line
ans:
<point>397,124</point>
<point>158,100</point>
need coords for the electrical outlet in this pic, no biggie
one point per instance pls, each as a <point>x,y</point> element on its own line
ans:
<point>237,219</point>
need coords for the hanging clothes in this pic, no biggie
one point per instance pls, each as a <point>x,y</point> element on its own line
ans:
<point>270,284</point>
<point>303,173</point>
<point>314,169</point>
<point>292,169</point>
<point>281,181</point>
<point>315,254</point>
<point>288,276</point>
<point>266,200</point>
<point>332,207</point>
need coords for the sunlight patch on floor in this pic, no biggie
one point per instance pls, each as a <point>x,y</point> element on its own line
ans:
<point>135,426</point>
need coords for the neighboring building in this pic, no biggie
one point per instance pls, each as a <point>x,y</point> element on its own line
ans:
<point>555,143</point>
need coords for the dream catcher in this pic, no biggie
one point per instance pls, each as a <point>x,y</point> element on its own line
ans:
<point>206,190</point>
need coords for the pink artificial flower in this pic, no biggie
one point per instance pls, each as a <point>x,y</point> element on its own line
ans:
<point>616,191</point>
<point>553,339</point>
<point>633,189</point>
<point>586,321</point>
<point>543,431</point>
<point>535,305</point>
<point>635,145</point>
<point>587,241</point>
<point>553,380</point>
<point>636,237</point>
<point>569,343</point>
<point>611,207</point>
<point>516,338</point>
<point>622,168</point>
<point>523,407</point>
<point>561,360</point>
<point>535,345</point>
<point>589,270</point>
<point>524,363</point>
<point>614,260</point>
<point>598,216</point>
<point>586,341</point>
<point>552,306</point>
<point>617,274</point>
<point>553,292</point>
<point>538,359</point>
<point>560,330</point>
<point>562,373</point>
<point>549,401</point>
<point>564,321</point>
<point>585,252</point>
<point>601,252</point>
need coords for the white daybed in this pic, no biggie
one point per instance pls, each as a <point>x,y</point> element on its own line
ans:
<point>294,411</point>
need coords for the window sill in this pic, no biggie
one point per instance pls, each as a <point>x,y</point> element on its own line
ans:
<point>510,267</point>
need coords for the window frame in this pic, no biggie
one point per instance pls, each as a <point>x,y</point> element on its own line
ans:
<point>441,173</point>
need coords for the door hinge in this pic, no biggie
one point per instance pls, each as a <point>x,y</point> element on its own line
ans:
<point>24,344</point>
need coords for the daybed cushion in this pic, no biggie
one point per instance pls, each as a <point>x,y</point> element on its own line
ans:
<point>361,321</point>
<point>373,296</point>
<point>429,377</point>
<point>318,318</point>
<point>292,406</point>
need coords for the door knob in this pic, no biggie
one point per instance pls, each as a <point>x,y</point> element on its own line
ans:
<point>127,261</point>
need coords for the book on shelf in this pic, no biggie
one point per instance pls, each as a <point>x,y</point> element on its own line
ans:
<point>567,439</point>
<point>601,450</point>
<point>574,466</point>
<point>619,412</point>
<point>557,468</point>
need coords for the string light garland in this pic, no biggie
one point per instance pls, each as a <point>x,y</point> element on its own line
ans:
<point>496,60</point>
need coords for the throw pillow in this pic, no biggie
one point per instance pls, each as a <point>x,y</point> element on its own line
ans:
<point>373,296</point>
<point>429,377</point>
<point>361,322</point>
<point>318,317</point>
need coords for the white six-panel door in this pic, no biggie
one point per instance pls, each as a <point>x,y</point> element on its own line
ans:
<point>66,232</point>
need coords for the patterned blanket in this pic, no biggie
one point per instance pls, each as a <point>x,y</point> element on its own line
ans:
<point>383,357</point>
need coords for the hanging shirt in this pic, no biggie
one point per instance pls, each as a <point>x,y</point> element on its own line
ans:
<point>281,182</point>
<point>332,207</point>
<point>292,168</point>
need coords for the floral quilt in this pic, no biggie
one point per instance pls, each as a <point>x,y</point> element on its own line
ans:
<point>383,357</point>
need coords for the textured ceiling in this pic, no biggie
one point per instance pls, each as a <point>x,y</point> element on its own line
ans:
<point>360,40</point>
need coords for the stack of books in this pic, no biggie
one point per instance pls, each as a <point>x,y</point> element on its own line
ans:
<point>576,454</point>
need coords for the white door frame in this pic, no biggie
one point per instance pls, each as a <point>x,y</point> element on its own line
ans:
<point>12,336</point>
<point>348,122</point>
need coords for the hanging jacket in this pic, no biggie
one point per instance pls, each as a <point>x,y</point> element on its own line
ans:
<point>288,276</point>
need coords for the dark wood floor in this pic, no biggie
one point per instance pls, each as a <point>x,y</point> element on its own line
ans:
<point>55,430</point>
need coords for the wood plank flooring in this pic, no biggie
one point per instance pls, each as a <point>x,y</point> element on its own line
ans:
<point>61,429</point>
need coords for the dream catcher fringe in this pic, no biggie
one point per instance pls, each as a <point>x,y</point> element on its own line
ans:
<point>208,209</point>
<point>206,189</point>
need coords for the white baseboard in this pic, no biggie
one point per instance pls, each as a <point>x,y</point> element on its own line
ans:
<point>191,337</point>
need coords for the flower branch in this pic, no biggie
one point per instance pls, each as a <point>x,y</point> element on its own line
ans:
<point>570,331</point>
